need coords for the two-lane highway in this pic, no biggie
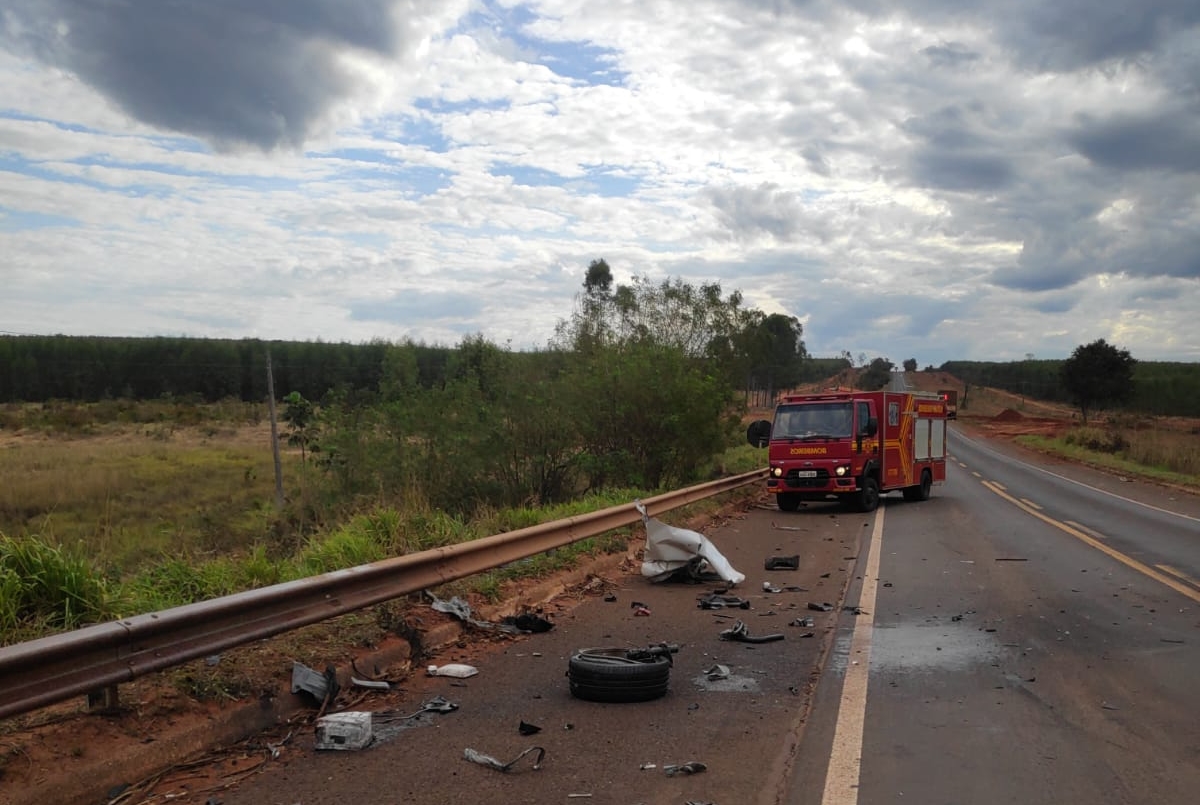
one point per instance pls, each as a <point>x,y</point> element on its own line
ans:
<point>1033,638</point>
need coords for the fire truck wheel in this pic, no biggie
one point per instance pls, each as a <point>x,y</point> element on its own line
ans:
<point>787,501</point>
<point>868,495</point>
<point>922,490</point>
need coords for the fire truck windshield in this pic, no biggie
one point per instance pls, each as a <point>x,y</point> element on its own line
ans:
<point>817,420</point>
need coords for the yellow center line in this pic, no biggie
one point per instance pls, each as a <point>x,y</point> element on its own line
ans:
<point>1179,573</point>
<point>1087,539</point>
<point>1031,504</point>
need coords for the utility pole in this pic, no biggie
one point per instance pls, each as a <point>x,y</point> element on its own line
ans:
<point>274,434</point>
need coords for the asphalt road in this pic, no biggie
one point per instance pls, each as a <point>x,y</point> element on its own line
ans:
<point>1035,639</point>
<point>1030,634</point>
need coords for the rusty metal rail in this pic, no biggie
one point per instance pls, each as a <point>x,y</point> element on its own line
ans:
<point>51,669</point>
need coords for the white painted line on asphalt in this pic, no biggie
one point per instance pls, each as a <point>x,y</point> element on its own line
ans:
<point>845,758</point>
<point>1030,503</point>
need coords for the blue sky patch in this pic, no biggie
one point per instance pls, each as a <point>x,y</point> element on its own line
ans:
<point>24,221</point>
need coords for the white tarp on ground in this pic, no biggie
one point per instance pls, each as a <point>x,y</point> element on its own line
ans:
<point>670,549</point>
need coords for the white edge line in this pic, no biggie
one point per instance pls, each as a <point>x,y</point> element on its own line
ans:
<point>845,756</point>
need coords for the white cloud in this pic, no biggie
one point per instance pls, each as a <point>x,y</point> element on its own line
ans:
<point>910,179</point>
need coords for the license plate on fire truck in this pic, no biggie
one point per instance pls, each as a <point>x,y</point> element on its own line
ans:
<point>806,473</point>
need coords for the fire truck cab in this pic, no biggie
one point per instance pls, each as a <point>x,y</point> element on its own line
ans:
<point>853,446</point>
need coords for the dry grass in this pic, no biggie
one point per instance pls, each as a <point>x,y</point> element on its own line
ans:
<point>126,495</point>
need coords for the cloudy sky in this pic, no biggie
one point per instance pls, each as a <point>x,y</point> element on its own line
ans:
<point>936,179</point>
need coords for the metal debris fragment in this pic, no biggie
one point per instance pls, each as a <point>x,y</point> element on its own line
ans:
<point>691,767</point>
<point>491,762</point>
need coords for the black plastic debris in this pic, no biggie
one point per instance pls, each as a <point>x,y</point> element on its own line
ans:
<point>525,728</point>
<point>741,634</point>
<point>718,601</point>
<point>528,622</point>
<point>804,623</point>
<point>820,607</point>
<point>782,562</point>
<point>855,610</point>
<point>491,762</point>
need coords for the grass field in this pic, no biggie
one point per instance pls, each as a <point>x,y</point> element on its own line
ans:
<point>102,518</point>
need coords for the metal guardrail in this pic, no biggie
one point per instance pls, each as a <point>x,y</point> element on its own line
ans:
<point>51,669</point>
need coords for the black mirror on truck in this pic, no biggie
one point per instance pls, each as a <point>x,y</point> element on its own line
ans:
<point>759,433</point>
<point>871,428</point>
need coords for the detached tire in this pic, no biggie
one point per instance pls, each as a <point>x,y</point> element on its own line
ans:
<point>608,675</point>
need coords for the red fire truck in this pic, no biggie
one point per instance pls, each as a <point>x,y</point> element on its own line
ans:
<point>854,446</point>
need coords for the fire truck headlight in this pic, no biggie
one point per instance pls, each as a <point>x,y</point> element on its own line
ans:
<point>777,471</point>
<point>842,471</point>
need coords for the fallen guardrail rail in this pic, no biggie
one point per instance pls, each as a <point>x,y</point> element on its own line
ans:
<point>95,659</point>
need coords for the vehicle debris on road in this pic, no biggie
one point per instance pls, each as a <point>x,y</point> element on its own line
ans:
<point>671,550</point>
<point>691,767</point>
<point>740,633</point>
<point>491,762</point>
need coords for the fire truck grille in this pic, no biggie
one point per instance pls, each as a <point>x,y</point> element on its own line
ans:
<point>794,480</point>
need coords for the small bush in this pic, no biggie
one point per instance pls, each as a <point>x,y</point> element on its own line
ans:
<point>1097,439</point>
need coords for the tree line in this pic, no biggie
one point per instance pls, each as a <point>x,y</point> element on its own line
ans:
<point>1155,388</point>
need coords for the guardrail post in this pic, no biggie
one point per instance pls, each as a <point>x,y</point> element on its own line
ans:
<point>104,700</point>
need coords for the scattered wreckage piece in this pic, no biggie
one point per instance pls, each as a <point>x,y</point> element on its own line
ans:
<point>351,730</point>
<point>322,687</point>
<point>491,762</point>
<point>457,670</point>
<point>718,601</point>
<point>614,675</point>
<point>741,634</point>
<point>358,729</point>
<point>525,623</point>
<point>678,553</point>
<point>782,562</point>
<point>691,767</point>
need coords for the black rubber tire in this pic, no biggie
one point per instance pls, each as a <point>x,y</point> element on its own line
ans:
<point>607,675</point>
<point>922,490</point>
<point>868,495</point>
<point>787,501</point>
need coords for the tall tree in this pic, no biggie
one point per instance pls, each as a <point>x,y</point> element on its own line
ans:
<point>1098,373</point>
<point>877,375</point>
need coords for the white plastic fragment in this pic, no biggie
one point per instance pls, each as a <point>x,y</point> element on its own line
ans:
<point>669,548</point>
<point>456,670</point>
<point>348,730</point>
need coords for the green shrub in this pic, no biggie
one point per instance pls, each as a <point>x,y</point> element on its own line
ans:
<point>1100,440</point>
<point>44,584</point>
